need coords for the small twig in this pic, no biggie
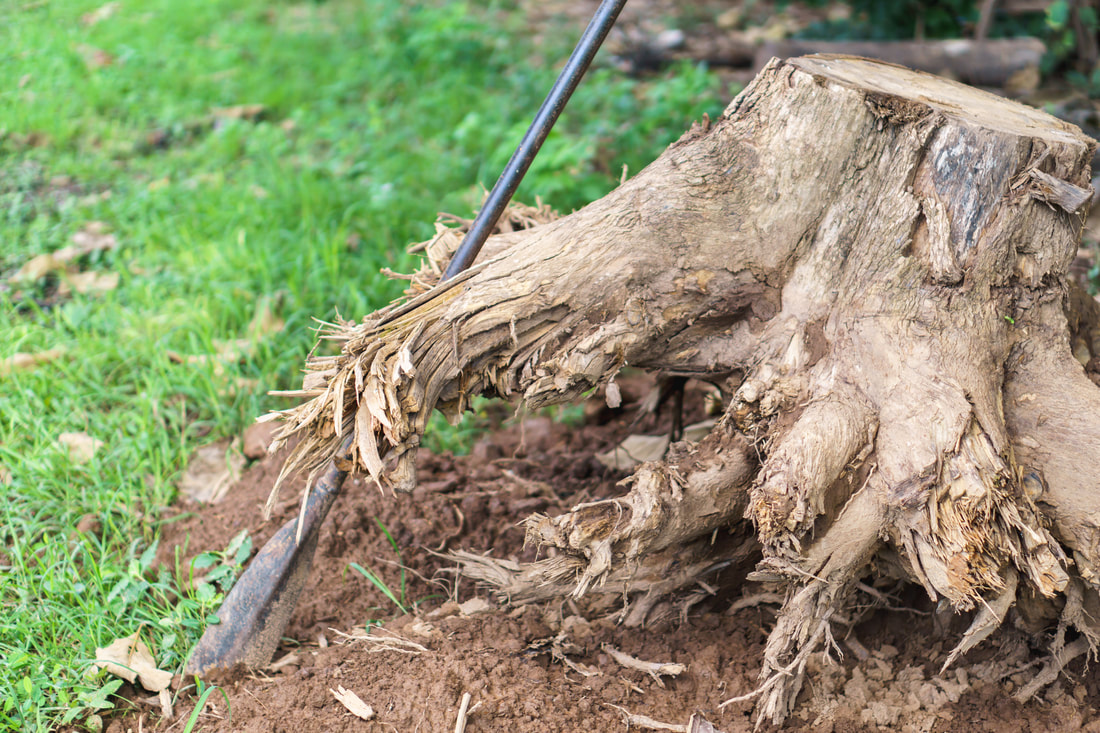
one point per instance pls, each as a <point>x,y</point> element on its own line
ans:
<point>385,641</point>
<point>464,710</point>
<point>1053,668</point>
<point>757,599</point>
<point>653,669</point>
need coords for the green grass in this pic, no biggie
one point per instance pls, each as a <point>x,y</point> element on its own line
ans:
<point>376,115</point>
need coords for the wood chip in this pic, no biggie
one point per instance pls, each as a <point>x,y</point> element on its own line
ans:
<point>464,711</point>
<point>353,703</point>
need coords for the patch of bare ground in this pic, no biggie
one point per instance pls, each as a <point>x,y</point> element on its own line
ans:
<point>554,667</point>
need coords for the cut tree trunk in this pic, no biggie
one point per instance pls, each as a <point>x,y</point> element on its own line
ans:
<point>992,63</point>
<point>872,262</point>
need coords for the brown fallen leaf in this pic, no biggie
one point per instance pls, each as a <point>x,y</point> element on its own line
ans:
<point>37,267</point>
<point>92,238</point>
<point>211,471</point>
<point>81,446</point>
<point>88,283</point>
<point>100,14</point>
<point>21,361</point>
<point>251,112</point>
<point>351,701</point>
<point>94,58</point>
<point>5,475</point>
<point>130,659</point>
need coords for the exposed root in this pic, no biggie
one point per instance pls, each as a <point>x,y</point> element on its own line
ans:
<point>888,307</point>
<point>1053,668</point>
<point>700,488</point>
<point>642,585</point>
<point>656,670</point>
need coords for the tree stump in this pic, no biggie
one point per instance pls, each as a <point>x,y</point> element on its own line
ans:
<point>871,262</point>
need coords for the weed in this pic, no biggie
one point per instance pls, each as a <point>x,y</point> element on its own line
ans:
<point>400,598</point>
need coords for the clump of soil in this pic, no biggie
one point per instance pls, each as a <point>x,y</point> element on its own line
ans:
<point>551,668</point>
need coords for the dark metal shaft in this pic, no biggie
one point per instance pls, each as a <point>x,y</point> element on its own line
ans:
<point>258,608</point>
<point>540,127</point>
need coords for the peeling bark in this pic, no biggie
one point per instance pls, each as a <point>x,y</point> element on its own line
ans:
<point>872,261</point>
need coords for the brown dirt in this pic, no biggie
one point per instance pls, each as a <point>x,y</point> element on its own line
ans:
<point>886,680</point>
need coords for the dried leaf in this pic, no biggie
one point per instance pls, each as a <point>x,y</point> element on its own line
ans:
<point>21,361</point>
<point>94,58</point>
<point>89,283</point>
<point>5,475</point>
<point>351,701</point>
<point>36,267</point>
<point>92,238</point>
<point>211,471</point>
<point>100,14</point>
<point>130,659</point>
<point>698,724</point>
<point>81,446</point>
<point>164,698</point>
<point>249,112</point>
<point>635,450</point>
<point>228,352</point>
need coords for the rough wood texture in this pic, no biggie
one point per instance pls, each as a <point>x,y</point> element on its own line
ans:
<point>872,262</point>
<point>981,62</point>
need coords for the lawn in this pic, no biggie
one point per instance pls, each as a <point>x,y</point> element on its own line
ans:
<point>209,178</point>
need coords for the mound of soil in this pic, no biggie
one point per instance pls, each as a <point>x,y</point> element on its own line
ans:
<point>415,668</point>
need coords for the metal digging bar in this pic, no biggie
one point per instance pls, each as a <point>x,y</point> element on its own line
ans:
<point>257,610</point>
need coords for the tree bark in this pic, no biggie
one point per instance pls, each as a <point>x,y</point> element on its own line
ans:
<point>872,261</point>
